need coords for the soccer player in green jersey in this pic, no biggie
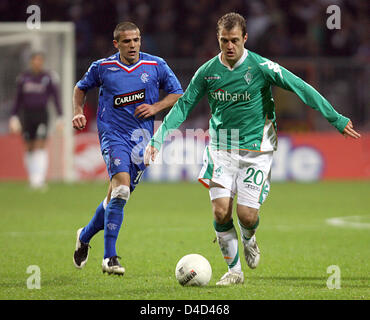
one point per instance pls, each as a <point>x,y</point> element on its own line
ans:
<point>243,135</point>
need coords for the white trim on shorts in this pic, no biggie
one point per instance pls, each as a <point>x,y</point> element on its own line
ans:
<point>218,192</point>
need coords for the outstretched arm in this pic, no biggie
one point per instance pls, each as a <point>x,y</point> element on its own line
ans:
<point>277,75</point>
<point>148,110</point>
<point>180,111</point>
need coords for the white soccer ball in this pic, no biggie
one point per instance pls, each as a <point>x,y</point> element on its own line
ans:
<point>193,270</point>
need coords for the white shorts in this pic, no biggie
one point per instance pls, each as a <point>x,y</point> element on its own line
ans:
<point>241,172</point>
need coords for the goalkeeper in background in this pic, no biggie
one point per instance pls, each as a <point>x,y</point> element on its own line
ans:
<point>30,116</point>
<point>243,135</point>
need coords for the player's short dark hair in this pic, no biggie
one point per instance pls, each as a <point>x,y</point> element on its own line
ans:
<point>123,26</point>
<point>37,53</point>
<point>231,20</point>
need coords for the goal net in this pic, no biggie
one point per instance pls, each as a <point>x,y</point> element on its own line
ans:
<point>57,42</point>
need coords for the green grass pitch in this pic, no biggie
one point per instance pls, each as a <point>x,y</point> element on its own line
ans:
<point>163,222</point>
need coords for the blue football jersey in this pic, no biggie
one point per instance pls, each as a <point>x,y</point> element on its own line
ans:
<point>122,89</point>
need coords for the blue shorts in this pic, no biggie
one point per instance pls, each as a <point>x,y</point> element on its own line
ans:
<point>118,159</point>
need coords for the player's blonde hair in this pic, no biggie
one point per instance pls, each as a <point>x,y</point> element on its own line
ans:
<point>123,26</point>
<point>231,20</point>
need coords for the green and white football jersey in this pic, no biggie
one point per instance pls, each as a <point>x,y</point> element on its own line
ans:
<point>241,102</point>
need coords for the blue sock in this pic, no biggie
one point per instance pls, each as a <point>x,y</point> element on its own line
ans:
<point>95,225</point>
<point>112,225</point>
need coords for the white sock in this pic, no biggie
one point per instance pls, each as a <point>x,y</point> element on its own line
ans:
<point>31,167</point>
<point>27,161</point>
<point>39,167</point>
<point>227,239</point>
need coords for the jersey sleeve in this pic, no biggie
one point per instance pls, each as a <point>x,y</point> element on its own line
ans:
<point>182,108</point>
<point>91,78</point>
<point>167,79</point>
<point>283,78</point>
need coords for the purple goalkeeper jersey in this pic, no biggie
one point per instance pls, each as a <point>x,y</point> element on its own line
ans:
<point>34,91</point>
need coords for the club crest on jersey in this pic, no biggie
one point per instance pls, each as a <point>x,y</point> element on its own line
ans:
<point>144,77</point>
<point>125,99</point>
<point>248,77</point>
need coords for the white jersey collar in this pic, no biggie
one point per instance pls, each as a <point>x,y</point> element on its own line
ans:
<point>238,63</point>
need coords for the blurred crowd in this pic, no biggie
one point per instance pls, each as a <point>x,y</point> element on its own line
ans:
<point>183,29</point>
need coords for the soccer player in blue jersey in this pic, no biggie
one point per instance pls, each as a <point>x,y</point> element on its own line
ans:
<point>129,83</point>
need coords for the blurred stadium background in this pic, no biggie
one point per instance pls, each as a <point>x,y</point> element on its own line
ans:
<point>292,32</point>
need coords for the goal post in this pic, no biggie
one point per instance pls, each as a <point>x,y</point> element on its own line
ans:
<point>57,41</point>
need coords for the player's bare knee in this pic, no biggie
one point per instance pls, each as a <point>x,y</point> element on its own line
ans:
<point>222,204</point>
<point>221,213</point>
<point>247,216</point>
<point>121,192</point>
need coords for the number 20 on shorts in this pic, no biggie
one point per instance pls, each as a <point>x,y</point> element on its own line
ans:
<point>253,176</point>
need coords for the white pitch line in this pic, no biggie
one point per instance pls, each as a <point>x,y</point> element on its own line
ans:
<point>349,222</point>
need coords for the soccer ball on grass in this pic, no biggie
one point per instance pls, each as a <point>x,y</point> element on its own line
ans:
<point>193,270</point>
